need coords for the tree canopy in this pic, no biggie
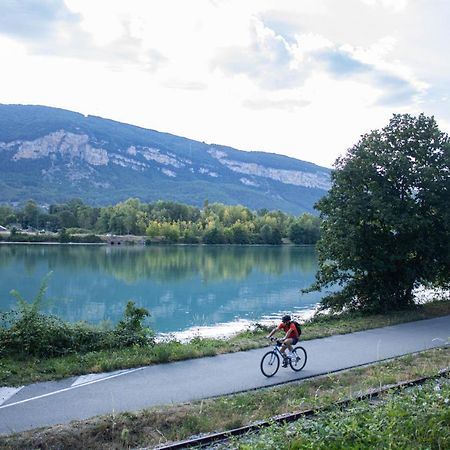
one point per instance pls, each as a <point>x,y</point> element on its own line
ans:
<point>386,221</point>
<point>167,222</point>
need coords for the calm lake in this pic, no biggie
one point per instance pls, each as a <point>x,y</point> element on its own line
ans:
<point>187,289</point>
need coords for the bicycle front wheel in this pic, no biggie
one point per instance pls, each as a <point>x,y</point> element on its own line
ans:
<point>298,361</point>
<point>270,363</point>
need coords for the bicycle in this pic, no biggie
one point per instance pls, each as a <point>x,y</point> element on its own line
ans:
<point>270,362</point>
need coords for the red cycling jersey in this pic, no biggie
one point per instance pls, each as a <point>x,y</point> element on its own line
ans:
<point>286,328</point>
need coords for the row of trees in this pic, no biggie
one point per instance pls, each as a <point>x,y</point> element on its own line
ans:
<point>169,221</point>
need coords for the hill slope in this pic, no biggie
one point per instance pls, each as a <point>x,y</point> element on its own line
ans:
<point>51,155</point>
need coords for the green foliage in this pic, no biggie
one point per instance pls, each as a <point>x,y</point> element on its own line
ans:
<point>305,230</point>
<point>386,220</point>
<point>170,232</point>
<point>35,305</point>
<point>31,214</point>
<point>16,236</point>
<point>7,215</point>
<point>162,222</point>
<point>416,418</point>
<point>214,235</point>
<point>27,331</point>
<point>129,331</point>
<point>85,239</point>
<point>240,233</point>
<point>64,236</point>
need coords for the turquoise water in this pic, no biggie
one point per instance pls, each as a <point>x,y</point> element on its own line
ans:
<point>184,287</point>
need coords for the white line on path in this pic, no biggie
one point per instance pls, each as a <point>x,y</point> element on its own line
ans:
<point>71,387</point>
<point>83,379</point>
<point>7,392</point>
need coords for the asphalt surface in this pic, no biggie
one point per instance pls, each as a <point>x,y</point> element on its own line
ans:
<point>78,398</point>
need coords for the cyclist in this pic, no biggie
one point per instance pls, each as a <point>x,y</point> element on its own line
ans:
<point>290,339</point>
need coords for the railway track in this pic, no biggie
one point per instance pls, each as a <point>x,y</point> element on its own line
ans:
<point>213,438</point>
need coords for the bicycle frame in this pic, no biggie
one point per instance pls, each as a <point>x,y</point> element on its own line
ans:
<point>270,362</point>
<point>276,349</point>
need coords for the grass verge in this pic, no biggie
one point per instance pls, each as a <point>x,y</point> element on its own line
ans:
<point>16,371</point>
<point>152,427</point>
<point>417,417</point>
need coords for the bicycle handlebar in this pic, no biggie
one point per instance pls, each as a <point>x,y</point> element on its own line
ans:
<point>278,341</point>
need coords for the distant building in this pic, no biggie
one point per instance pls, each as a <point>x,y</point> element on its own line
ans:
<point>3,228</point>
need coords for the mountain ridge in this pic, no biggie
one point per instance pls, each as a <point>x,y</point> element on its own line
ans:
<point>51,154</point>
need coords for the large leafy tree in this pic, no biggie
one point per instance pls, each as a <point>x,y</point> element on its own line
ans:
<point>386,219</point>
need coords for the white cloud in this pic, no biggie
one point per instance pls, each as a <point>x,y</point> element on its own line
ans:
<point>287,104</point>
<point>266,59</point>
<point>299,78</point>
<point>394,5</point>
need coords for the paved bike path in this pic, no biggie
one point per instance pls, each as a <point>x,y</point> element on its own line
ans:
<point>78,398</point>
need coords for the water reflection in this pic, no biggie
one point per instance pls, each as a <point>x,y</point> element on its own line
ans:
<point>183,286</point>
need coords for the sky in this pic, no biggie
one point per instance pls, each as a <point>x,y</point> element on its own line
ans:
<point>303,78</point>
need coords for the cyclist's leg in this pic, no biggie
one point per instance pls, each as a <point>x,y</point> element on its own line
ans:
<point>294,341</point>
<point>283,348</point>
<point>287,343</point>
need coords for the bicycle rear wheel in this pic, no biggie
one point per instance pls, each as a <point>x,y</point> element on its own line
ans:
<point>270,363</point>
<point>298,361</point>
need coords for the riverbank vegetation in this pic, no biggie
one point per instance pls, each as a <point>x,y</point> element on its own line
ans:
<point>27,334</point>
<point>62,237</point>
<point>415,415</point>
<point>159,222</point>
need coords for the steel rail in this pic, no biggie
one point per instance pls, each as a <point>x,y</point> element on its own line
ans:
<point>292,417</point>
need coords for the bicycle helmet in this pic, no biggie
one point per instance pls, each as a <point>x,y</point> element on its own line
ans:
<point>286,318</point>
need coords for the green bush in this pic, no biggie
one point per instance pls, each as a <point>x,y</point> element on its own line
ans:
<point>130,331</point>
<point>27,331</point>
<point>85,239</point>
<point>21,237</point>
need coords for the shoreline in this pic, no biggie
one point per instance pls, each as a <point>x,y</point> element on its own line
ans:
<point>227,330</point>
<point>128,240</point>
<point>53,243</point>
<point>152,244</point>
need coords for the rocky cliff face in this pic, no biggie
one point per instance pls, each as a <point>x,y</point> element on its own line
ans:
<point>72,147</point>
<point>294,177</point>
<point>92,153</point>
<point>68,145</point>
